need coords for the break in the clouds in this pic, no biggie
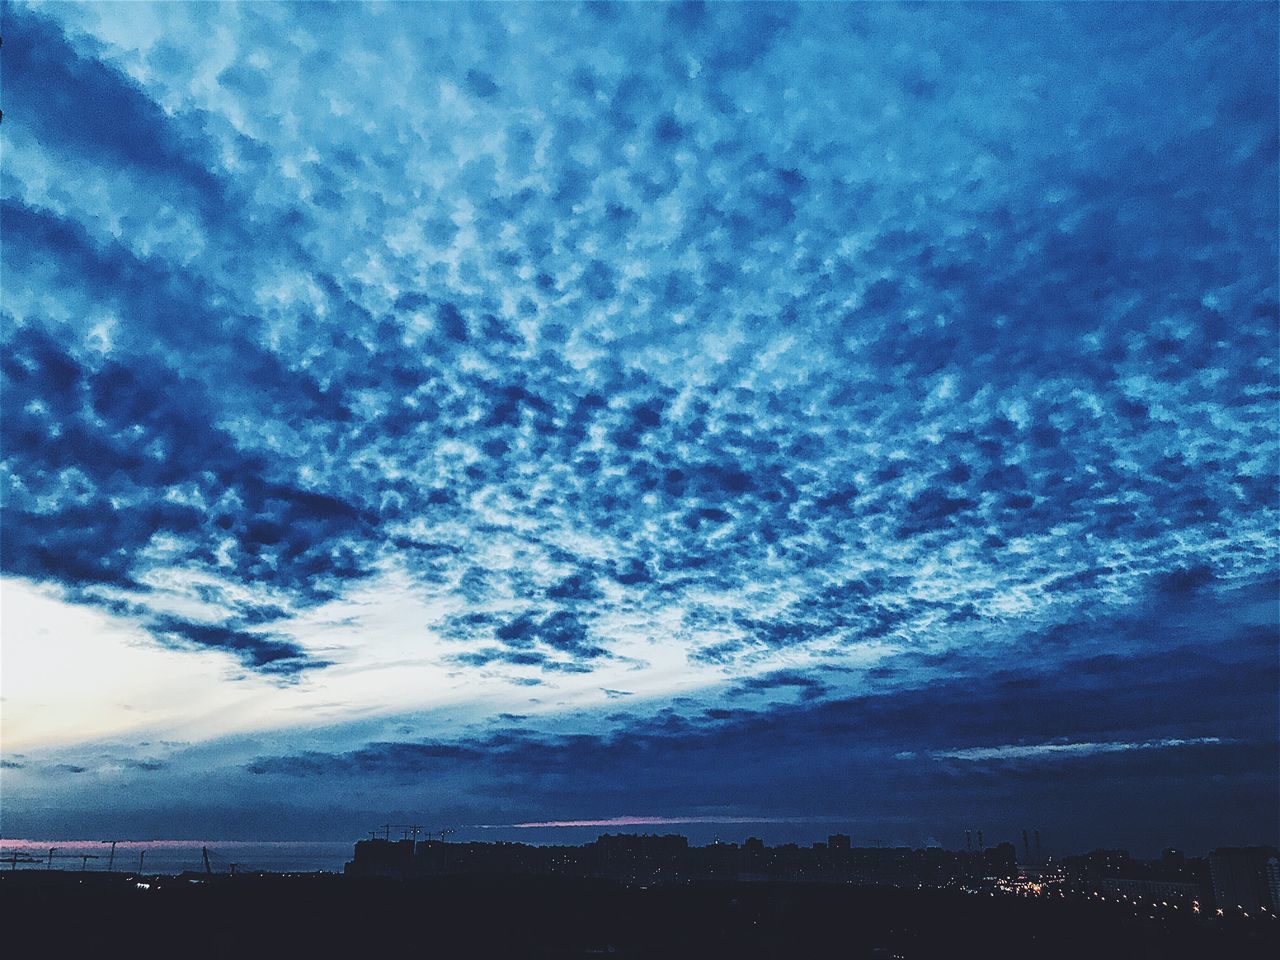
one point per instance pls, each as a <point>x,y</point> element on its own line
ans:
<point>624,411</point>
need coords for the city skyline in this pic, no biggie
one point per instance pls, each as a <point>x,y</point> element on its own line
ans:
<point>536,415</point>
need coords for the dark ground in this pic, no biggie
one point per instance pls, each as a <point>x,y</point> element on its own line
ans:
<point>59,913</point>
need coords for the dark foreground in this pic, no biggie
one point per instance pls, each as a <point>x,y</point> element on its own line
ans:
<point>63,914</point>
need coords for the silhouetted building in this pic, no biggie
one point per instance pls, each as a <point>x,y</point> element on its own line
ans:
<point>1154,889</point>
<point>1240,877</point>
<point>1244,876</point>
<point>385,858</point>
<point>1172,879</point>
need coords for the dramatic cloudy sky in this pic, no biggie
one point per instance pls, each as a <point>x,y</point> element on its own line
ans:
<point>853,417</point>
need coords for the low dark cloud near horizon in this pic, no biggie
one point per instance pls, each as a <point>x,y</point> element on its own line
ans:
<point>1124,718</point>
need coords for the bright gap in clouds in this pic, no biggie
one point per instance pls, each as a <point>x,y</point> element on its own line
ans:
<point>75,673</point>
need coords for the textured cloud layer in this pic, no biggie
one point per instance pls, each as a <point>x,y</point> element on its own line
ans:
<point>817,351</point>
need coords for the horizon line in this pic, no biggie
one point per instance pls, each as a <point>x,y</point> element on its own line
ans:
<point>647,821</point>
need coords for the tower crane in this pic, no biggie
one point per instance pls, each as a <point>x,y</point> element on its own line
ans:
<point>52,854</point>
<point>13,859</point>
<point>111,861</point>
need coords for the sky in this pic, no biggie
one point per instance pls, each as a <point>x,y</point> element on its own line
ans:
<point>723,419</point>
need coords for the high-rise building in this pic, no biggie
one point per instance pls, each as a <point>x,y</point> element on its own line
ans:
<point>1239,877</point>
<point>1271,871</point>
<point>838,841</point>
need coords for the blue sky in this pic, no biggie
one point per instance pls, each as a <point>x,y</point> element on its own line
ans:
<point>862,415</point>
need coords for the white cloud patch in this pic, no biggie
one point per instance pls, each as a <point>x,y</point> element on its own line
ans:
<point>1014,752</point>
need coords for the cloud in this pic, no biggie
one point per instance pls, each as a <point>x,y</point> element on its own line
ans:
<point>1150,720</point>
<point>1050,751</point>
<point>81,106</point>
<point>263,651</point>
<point>809,688</point>
<point>687,351</point>
<point>633,821</point>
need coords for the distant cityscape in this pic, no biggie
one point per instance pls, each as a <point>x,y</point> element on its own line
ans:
<point>1229,881</point>
<point>656,897</point>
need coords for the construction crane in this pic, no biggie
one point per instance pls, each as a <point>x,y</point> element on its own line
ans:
<point>216,864</point>
<point>47,859</point>
<point>111,862</point>
<point>14,859</point>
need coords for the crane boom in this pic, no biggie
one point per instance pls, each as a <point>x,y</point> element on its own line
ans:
<point>111,862</point>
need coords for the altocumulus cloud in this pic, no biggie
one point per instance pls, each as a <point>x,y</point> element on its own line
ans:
<point>839,355</point>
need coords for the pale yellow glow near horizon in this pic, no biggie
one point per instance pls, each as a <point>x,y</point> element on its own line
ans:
<point>71,673</point>
<point>76,674</point>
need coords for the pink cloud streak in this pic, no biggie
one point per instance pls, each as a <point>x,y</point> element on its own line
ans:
<point>645,822</point>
